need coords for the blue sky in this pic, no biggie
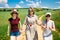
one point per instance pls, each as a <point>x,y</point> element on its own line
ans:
<point>27,3</point>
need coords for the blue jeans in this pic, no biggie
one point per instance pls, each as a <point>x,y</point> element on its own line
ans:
<point>17,33</point>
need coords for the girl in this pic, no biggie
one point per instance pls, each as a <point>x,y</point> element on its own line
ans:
<point>13,26</point>
<point>48,26</point>
<point>30,21</point>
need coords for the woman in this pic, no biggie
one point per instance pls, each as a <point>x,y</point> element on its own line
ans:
<point>48,26</point>
<point>30,21</point>
<point>13,26</point>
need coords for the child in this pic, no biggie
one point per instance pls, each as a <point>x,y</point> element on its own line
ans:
<point>48,26</point>
<point>13,26</point>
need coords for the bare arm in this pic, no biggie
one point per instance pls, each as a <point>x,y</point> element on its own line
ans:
<point>20,25</point>
<point>38,22</point>
<point>8,28</point>
<point>53,27</point>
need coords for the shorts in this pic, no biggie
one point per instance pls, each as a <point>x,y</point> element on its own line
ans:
<point>17,33</point>
<point>48,38</point>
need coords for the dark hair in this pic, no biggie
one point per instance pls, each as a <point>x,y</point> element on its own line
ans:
<point>31,11</point>
<point>47,15</point>
<point>14,12</point>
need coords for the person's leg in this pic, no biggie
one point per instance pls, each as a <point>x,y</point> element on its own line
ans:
<point>28,35</point>
<point>32,31</point>
<point>50,37</point>
<point>36,36</point>
<point>13,38</point>
<point>18,37</point>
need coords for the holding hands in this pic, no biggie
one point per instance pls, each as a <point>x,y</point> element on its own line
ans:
<point>44,26</point>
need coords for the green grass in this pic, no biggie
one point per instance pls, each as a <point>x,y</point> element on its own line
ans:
<point>4,16</point>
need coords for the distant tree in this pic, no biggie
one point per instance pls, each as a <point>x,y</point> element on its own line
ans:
<point>4,9</point>
<point>37,10</point>
<point>9,10</point>
<point>53,9</point>
<point>1,10</point>
<point>17,10</point>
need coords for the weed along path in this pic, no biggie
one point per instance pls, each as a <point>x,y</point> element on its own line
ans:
<point>38,28</point>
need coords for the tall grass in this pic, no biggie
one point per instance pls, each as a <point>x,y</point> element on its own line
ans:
<point>4,16</point>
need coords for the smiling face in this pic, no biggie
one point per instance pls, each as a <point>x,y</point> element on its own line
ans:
<point>14,14</point>
<point>48,17</point>
<point>31,13</point>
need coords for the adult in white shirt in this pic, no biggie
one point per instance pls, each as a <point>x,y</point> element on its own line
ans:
<point>30,21</point>
<point>48,26</point>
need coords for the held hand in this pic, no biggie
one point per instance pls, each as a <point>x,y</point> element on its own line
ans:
<point>50,28</point>
<point>44,27</point>
<point>21,31</point>
<point>21,28</point>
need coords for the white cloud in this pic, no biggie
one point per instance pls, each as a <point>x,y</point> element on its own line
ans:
<point>33,4</point>
<point>3,4</point>
<point>6,6</point>
<point>40,1</point>
<point>21,2</point>
<point>29,1</point>
<point>58,2</point>
<point>44,7</point>
<point>36,4</point>
<point>18,6</point>
<point>1,7</point>
<point>5,1</point>
<point>56,7</point>
<point>59,7</point>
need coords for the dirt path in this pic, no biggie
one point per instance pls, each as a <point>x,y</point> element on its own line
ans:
<point>39,31</point>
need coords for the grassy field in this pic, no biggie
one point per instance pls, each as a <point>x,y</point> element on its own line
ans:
<point>4,15</point>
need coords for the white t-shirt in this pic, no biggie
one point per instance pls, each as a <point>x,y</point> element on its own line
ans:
<point>47,31</point>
